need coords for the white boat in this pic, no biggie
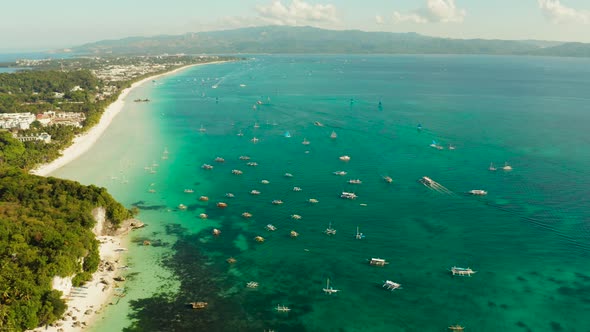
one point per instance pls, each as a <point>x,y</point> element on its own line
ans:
<point>252,284</point>
<point>229,195</point>
<point>182,207</point>
<point>330,230</point>
<point>202,129</point>
<point>271,227</point>
<point>492,167</point>
<point>390,285</point>
<point>347,195</point>
<point>219,160</point>
<point>265,182</point>
<point>388,179</point>
<point>254,140</point>
<point>254,192</point>
<point>236,172</point>
<point>206,166</point>
<point>244,158</point>
<point>359,235</point>
<point>277,202</point>
<point>296,217</point>
<point>436,145</point>
<point>507,167</point>
<point>462,271</point>
<point>355,181</point>
<point>317,123</point>
<point>189,191</point>
<point>287,134</point>
<point>252,164</point>
<point>478,192</point>
<point>297,189</point>
<point>330,290</point>
<point>341,173</point>
<point>345,158</point>
<point>282,308</point>
<point>240,133</point>
<point>313,201</point>
<point>378,262</point>
<point>333,135</point>
<point>256,126</point>
<point>288,175</point>
<point>305,142</point>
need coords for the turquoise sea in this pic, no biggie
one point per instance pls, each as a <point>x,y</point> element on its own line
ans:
<point>528,239</point>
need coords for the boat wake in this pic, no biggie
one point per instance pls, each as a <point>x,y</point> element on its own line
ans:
<point>433,185</point>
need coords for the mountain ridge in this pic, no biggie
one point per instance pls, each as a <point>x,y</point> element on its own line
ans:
<point>297,40</point>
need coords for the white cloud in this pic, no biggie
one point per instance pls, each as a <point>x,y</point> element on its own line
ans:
<point>558,13</point>
<point>443,11</point>
<point>379,19</point>
<point>298,12</point>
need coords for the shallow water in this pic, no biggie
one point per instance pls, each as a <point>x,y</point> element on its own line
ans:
<point>528,238</point>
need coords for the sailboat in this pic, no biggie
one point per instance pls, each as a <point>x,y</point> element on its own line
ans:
<point>305,141</point>
<point>330,290</point>
<point>256,126</point>
<point>287,134</point>
<point>202,129</point>
<point>359,236</point>
<point>330,230</point>
<point>333,135</point>
<point>492,167</point>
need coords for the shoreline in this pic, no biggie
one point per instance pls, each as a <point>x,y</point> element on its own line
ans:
<point>86,304</point>
<point>82,143</point>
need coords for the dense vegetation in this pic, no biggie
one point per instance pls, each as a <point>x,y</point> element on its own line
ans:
<point>45,223</point>
<point>309,40</point>
<point>45,228</point>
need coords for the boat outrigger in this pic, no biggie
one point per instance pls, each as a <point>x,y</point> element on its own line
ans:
<point>390,285</point>
<point>462,271</point>
<point>329,289</point>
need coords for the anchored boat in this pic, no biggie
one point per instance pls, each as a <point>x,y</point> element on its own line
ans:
<point>462,271</point>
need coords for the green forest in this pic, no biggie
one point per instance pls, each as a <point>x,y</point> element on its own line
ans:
<point>45,223</point>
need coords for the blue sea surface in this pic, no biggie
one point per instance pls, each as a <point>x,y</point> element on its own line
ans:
<point>528,238</point>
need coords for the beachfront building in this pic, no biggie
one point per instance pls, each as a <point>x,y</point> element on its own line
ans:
<point>43,137</point>
<point>16,120</point>
<point>61,118</point>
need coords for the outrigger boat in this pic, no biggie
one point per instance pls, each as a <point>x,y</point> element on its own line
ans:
<point>313,201</point>
<point>347,195</point>
<point>182,207</point>
<point>294,234</point>
<point>219,160</point>
<point>296,188</point>
<point>216,232</point>
<point>330,290</point>
<point>355,181</point>
<point>341,173</point>
<point>206,166</point>
<point>330,230</point>
<point>244,158</point>
<point>387,179</point>
<point>344,158</point>
<point>265,182</point>
<point>229,195</point>
<point>254,192</point>
<point>203,216</point>
<point>252,163</point>
<point>189,191</point>
<point>462,271</point>
<point>254,140</point>
<point>478,192</point>
<point>378,262</point>
<point>288,175</point>
<point>359,236</point>
<point>390,285</point>
<point>221,205</point>
<point>271,227</point>
<point>277,202</point>
<point>305,142</point>
<point>236,172</point>
<point>252,284</point>
<point>296,217</point>
<point>199,305</point>
<point>456,327</point>
<point>259,239</point>
<point>203,198</point>
<point>282,308</point>
<point>246,215</point>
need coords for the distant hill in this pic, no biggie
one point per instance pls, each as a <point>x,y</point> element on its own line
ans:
<point>285,39</point>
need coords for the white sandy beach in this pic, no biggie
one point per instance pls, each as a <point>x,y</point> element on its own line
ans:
<point>85,303</point>
<point>85,141</point>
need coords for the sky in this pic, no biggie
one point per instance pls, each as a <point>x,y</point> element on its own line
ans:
<point>35,25</point>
